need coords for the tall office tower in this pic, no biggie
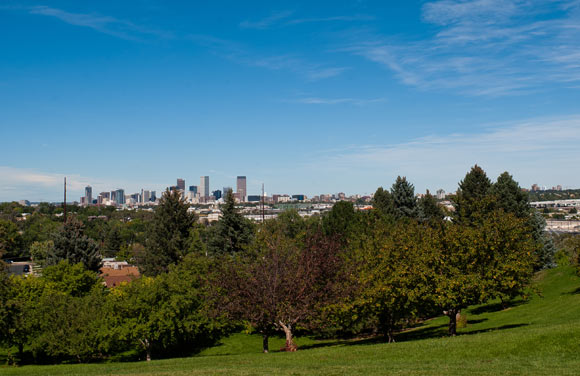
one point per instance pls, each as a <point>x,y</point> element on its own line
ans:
<point>193,188</point>
<point>88,195</point>
<point>181,184</point>
<point>145,196</point>
<point>217,194</point>
<point>153,197</point>
<point>114,197</point>
<point>241,187</point>
<point>120,196</point>
<point>204,187</point>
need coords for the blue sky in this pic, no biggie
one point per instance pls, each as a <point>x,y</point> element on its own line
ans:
<point>307,97</point>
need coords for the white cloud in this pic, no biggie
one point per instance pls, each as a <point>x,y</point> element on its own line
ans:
<point>485,47</point>
<point>533,151</point>
<point>331,101</point>
<point>104,24</point>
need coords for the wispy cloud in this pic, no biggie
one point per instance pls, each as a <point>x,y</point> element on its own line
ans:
<point>484,47</point>
<point>103,24</point>
<point>332,101</point>
<point>242,54</point>
<point>35,185</point>
<point>531,150</point>
<point>266,22</point>
<point>283,19</point>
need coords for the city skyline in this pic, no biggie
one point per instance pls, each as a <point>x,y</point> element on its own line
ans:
<point>304,97</point>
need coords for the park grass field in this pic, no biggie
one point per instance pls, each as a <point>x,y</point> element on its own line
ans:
<point>540,336</point>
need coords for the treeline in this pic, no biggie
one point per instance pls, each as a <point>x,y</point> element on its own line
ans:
<point>345,273</point>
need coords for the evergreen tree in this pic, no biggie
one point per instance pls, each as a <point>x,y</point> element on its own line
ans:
<point>546,249</point>
<point>233,232</point>
<point>428,209</point>
<point>510,197</point>
<point>473,198</point>
<point>404,199</point>
<point>383,202</point>
<point>169,235</point>
<point>339,220</point>
<point>70,243</point>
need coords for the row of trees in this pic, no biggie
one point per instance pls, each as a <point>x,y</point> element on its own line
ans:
<point>344,273</point>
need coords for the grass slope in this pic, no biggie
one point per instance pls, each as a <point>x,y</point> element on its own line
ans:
<point>537,337</point>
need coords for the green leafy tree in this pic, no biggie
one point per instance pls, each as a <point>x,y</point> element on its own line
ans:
<point>404,199</point>
<point>10,240</point>
<point>232,233</point>
<point>546,249</point>
<point>383,202</point>
<point>340,220</point>
<point>70,243</point>
<point>169,235</point>
<point>169,312</point>
<point>394,275</point>
<point>39,251</point>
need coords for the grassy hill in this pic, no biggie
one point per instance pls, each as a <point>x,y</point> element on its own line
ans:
<point>536,337</point>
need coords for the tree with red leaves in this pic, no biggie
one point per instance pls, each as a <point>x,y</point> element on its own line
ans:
<point>285,280</point>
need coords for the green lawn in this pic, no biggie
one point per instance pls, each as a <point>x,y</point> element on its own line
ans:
<point>537,337</point>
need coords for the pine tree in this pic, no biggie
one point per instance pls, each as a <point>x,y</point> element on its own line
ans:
<point>473,198</point>
<point>428,209</point>
<point>510,197</point>
<point>169,235</point>
<point>404,199</point>
<point>233,232</point>
<point>70,243</point>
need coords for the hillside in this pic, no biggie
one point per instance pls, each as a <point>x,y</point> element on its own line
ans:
<point>540,336</point>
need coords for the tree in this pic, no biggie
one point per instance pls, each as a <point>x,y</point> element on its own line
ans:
<point>404,199</point>
<point>428,209</point>
<point>510,197</point>
<point>10,239</point>
<point>473,200</point>
<point>394,274</point>
<point>169,312</point>
<point>339,221</point>
<point>282,283</point>
<point>70,243</point>
<point>546,250</point>
<point>39,251</point>
<point>383,202</point>
<point>169,235</point>
<point>233,232</point>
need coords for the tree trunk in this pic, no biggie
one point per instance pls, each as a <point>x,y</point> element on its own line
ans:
<point>265,343</point>
<point>147,345</point>
<point>20,351</point>
<point>290,345</point>
<point>452,314</point>
<point>390,336</point>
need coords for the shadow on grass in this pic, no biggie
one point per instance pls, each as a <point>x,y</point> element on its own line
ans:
<point>503,327</point>
<point>496,307</point>
<point>574,292</point>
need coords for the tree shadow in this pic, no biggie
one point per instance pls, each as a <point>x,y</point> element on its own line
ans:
<point>496,307</point>
<point>503,327</point>
<point>573,292</point>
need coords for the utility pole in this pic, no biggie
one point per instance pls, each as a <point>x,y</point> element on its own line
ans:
<point>263,213</point>
<point>64,204</point>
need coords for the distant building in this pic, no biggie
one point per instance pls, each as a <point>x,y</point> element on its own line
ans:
<point>226,190</point>
<point>145,196</point>
<point>119,196</point>
<point>217,194</point>
<point>535,187</point>
<point>204,187</point>
<point>241,188</point>
<point>181,184</point>
<point>88,195</point>
<point>299,197</point>
<point>193,188</point>
<point>254,198</point>
<point>440,194</point>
